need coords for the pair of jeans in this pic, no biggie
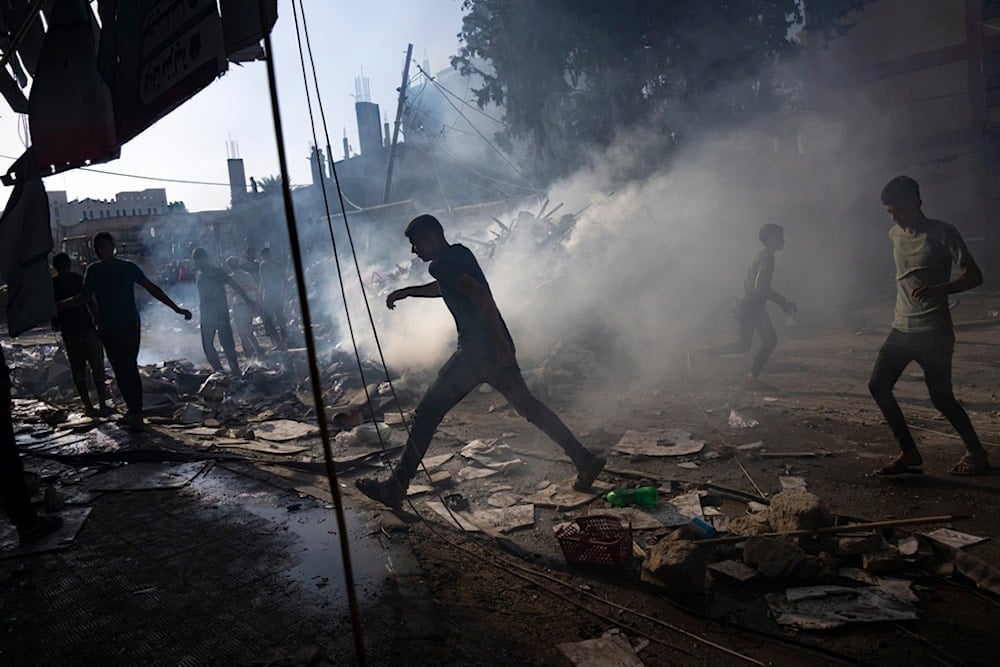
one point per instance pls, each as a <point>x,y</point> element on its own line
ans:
<point>122,348</point>
<point>932,350</point>
<point>463,372</point>
<point>217,321</point>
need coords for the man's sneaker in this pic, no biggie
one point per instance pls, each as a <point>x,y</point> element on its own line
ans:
<point>388,492</point>
<point>90,411</point>
<point>586,475</point>
<point>134,423</point>
<point>43,525</point>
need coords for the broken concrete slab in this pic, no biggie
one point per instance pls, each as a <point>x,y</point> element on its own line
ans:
<point>665,442</point>
<point>604,651</point>
<point>676,565</point>
<point>774,558</point>
<point>146,476</point>
<point>73,518</point>
<point>432,462</point>
<point>733,570</point>
<point>954,538</point>
<point>827,607</point>
<point>503,499</point>
<point>503,520</point>
<point>855,545</point>
<point>798,510</point>
<point>282,430</point>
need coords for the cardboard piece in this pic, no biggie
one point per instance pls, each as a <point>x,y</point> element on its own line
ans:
<point>503,520</point>
<point>954,538</point>
<point>146,476</point>
<point>610,650</point>
<point>827,607</point>
<point>282,430</point>
<point>664,442</point>
<point>73,519</point>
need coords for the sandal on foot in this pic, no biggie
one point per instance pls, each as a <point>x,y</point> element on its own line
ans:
<point>897,467</point>
<point>970,467</point>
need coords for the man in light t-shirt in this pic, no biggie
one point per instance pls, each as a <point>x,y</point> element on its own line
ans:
<point>924,251</point>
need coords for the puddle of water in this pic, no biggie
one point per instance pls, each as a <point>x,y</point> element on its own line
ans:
<point>314,528</point>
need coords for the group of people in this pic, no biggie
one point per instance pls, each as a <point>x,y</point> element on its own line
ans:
<point>97,315</point>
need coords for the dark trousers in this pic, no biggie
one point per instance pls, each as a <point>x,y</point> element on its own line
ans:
<point>83,348</point>
<point>213,322</point>
<point>122,349</point>
<point>463,372</point>
<point>932,351</point>
<point>272,312</point>
<point>751,320</point>
<point>13,490</point>
<point>243,324</point>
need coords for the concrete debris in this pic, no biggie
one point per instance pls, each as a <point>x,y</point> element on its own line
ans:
<point>855,545</point>
<point>797,510</point>
<point>792,483</point>
<point>609,650</point>
<point>564,496</point>
<point>827,607</point>
<point>774,557</point>
<point>502,499</point>
<point>908,546</point>
<point>678,566</point>
<point>503,520</point>
<point>732,570</point>
<point>749,525</point>
<point>281,430</point>
<point>954,538</point>
<point>736,420</point>
<point>750,446</point>
<point>631,516</point>
<point>667,442</point>
<point>883,562</point>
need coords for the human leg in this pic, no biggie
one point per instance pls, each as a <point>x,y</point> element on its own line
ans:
<point>77,356</point>
<point>455,380</point>
<point>893,357</point>
<point>740,346</point>
<point>761,323</point>
<point>122,349</point>
<point>510,383</point>
<point>95,359</point>
<point>209,325</point>
<point>243,323</point>
<point>935,358</point>
<point>228,344</point>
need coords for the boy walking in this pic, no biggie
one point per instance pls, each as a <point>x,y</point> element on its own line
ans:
<point>749,308</point>
<point>214,310</point>
<point>924,251</point>
<point>485,354</point>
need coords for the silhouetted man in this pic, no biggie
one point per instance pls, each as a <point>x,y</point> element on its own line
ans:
<point>13,487</point>
<point>111,282</point>
<point>83,347</point>
<point>485,354</point>
<point>241,309</point>
<point>924,251</point>
<point>272,300</point>
<point>214,310</point>
<point>749,308</point>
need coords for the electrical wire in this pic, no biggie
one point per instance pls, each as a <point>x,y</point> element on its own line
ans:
<point>331,468</point>
<point>145,178</point>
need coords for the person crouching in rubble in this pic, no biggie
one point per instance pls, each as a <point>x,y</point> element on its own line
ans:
<point>924,251</point>
<point>485,354</point>
<point>111,283</point>
<point>749,308</point>
<point>214,310</point>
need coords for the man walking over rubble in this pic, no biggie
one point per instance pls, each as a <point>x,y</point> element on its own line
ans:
<point>214,310</point>
<point>485,354</point>
<point>924,251</point>
<point>111,283</point>
<point>272,300</point>
<point>242,311</point>
<point>749,308</point>
<point>83,347</point>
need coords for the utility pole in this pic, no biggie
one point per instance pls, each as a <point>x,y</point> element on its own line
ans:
<point>399,120</point>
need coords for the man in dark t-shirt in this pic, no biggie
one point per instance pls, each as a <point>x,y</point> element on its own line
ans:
<point>83,347</point>
<point>214,306</point>
<point>485,354</point>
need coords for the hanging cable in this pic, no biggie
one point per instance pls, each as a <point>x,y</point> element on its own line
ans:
<point>293,239</point>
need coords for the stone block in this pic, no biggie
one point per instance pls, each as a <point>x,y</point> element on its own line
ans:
<point>677,566</point>
<point>774,557</point>
<point>797,510</point>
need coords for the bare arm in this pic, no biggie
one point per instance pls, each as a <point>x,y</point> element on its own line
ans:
<point>970,276</point>
<point>428,291</point>
<point>483,300</point>
<point>162,297</point>
<point>240,291</point>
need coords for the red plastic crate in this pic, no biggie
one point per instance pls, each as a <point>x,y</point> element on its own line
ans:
<point>596,539</point>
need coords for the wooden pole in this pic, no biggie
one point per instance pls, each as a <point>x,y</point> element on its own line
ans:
<point>850,528</point>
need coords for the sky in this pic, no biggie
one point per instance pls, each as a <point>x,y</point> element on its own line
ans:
<point>347,38</point>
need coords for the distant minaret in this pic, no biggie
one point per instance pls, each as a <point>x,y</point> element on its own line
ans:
<point>237,174</point>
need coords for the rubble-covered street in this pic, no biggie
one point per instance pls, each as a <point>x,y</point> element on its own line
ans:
<point>220,516</point>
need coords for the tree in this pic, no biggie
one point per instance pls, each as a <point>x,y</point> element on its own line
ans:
<point>570,73</point>
<point>270,186</point>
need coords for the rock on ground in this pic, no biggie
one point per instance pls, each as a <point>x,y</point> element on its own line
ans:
<point>797,510</point>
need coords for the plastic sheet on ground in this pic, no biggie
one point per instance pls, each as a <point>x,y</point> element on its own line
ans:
<point>679,510</point>
<point>665,442</point>
<point>826,607</point>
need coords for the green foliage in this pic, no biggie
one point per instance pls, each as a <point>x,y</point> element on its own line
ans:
<point>570,73</point>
